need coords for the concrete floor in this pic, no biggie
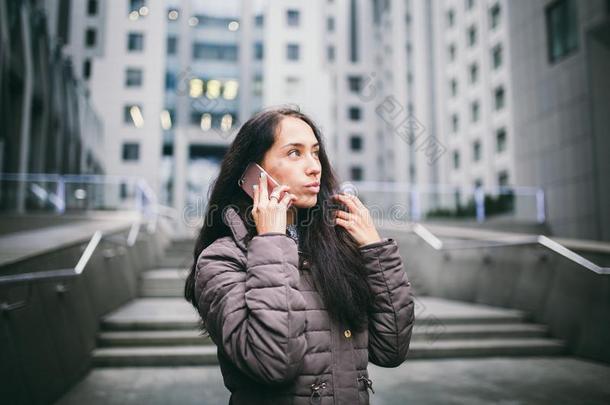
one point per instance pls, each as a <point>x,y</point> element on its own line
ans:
<point>529,380</point>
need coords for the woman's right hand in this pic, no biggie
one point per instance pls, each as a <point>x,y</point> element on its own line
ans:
<point>270,214</point>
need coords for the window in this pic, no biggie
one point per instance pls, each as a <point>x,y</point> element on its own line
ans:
<point>473,73</point>
<point>455,123</point>
<point>456,159</point>
<point>90,37</point>
<point>494,16</point>
<point>355,143</point>
<point>496,56</point>
<point>500,140</point>
<point>355,83</point>
<point>132,115</point>
<point>330,24</point>
<point>92,7</point>
<point>499,98</point>
<point>292,52</point>
<point>259,20</point>
<point>87,69</point>
<point>356,173</point>
<point>503,178</point>
<point>135,41</point>
<point>453,86</point>
<point>170,80</point>
<point>452,52</point>
<point>330,53</point>
<point>478,183</point>
<point>136,5</point>
<point>133,77</point>
<point>292,18</point>
<point>172,45</point>
<point>217,52</point>
<point>562,29</point>
<point>476,151</point>
<point>472,35</point>
<point>131,151</point>
<point>450,18</point>
<point>354,113</point>
<point>469,4</point>
<point>474,111</point>
<point>258,50</point>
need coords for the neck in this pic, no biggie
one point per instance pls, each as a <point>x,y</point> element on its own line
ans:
<point>291,216</point>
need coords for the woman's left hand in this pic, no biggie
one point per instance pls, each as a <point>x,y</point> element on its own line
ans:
<point>357,221</point>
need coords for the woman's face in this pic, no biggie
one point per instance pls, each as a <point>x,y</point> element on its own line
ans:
<point>293,160</point>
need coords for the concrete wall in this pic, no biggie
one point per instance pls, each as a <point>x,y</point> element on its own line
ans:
<point>571,300</point>
<point>45,346</point>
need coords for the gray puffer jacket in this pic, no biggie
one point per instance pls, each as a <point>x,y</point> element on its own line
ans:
<point>276,342</point>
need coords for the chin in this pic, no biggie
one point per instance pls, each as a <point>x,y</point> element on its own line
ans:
<point>306,202</point>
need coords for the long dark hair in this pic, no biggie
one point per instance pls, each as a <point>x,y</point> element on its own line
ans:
<point>336,263</point>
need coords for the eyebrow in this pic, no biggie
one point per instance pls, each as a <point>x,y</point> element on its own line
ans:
<point>299,144</point>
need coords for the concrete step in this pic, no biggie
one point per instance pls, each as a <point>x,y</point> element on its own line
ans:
<point>486,348</point>
<point>152,314</point>
<point>155,356</point>
<point>182,261</point>
<point>187,337</point>
<point>162,356</point>
<point>479,331</point>
<point>193,337</point>
<point>168,282</point>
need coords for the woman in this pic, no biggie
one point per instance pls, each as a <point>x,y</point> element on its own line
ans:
<point>296,316</point>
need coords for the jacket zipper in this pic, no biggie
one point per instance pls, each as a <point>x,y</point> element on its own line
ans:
<point>368,382</point>
<point>315,391</point>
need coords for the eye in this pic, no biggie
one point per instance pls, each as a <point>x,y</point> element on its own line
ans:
<point>293,150</point>
<point>316,152</point>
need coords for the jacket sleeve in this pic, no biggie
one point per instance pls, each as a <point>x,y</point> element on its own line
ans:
<point>392,315</point>
<point>255,315</point>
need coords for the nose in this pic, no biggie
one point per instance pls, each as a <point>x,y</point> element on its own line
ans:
<point>314,167</point>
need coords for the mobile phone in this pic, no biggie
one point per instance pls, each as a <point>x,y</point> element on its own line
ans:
<point>251,177</point>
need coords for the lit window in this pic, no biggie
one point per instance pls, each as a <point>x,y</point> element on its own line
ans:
<point>132,115</point>
<point>213,89</point>
<point>195,88</point>
<point>226,123</point>
<point>230,90</point>
<point>206,121</point>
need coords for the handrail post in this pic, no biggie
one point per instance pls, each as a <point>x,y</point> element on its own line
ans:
<point>415,207</point>
<point>540,209</point>
<point>61,195</point>
<point>479,198</point>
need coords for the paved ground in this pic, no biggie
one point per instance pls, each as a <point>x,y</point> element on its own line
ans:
<point>535,380</point>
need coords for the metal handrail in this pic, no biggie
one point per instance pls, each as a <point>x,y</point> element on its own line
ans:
<point>58,274</point>
<point>437,244</point>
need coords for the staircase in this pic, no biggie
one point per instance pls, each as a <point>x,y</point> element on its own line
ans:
<point>161,329</point>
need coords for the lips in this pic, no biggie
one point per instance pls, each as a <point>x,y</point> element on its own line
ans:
<point>313,187</point>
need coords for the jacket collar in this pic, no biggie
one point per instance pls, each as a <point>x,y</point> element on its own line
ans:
<point>237,226</point>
